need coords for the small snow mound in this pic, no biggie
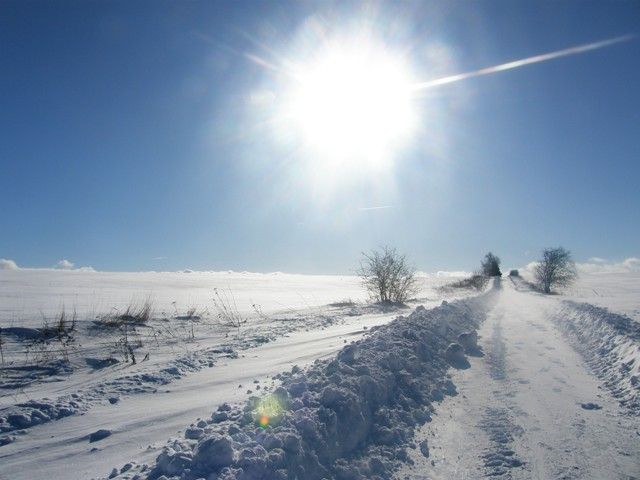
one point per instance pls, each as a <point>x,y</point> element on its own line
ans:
<point>214,452</point>
<point>469,341</point>
<point>455,356</point>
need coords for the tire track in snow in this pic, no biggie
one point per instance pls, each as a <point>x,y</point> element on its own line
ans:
<point>497,423</point>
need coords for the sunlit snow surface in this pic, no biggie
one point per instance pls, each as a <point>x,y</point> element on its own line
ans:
<point>544,357</point>
<point>618,292</point>
<point>26,295</point>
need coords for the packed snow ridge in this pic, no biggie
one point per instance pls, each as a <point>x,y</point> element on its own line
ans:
<point>610,343</point>
<point>352,417</point>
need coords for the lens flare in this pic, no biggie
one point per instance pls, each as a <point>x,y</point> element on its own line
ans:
<point>269,410</point>
<point>264,421</point>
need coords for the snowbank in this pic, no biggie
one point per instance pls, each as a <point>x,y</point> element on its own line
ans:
<point>611,345</point>
<point>348,418</point>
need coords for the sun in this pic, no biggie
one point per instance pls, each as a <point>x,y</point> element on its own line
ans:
<point>352,102</point>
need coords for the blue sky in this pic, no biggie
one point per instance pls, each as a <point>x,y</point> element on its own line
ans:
<point>130,138</point>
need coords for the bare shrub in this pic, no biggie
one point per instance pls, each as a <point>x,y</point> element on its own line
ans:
<point>387,276</point>
<point>555,269</point>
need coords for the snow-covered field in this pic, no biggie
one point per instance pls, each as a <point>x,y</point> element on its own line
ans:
<point>25,295</point>
<point>52,398</point>
<point>319,384</point>
<point>618,292</point>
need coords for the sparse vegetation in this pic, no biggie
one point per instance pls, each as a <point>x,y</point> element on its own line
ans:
<point>126,323</point>
<point>474,282</point>
<point>555,269</point>
<point>347,302</point>
<point>260,314</point>
<point>191,313</point>
<point>54,340</point>
<point>133,315</point>
<point>227,310</point>
<point>387,276</point>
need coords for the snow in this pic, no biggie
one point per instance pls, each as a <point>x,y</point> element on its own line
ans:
<point>528,407</point>
<point>509,383</point>
<point>348,417</point>
<point>611,345</point>
<point>616,291</point>
<point>28,294</point>
<point>146,403</point>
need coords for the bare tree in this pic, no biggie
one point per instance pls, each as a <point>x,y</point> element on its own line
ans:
<point>387,276</point>
<point>490,266</point>
<point>555,269</point>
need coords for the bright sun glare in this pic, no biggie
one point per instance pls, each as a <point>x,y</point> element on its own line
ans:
<point>352,103</point>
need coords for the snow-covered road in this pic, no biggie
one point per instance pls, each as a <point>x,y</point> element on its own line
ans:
<point>528,408</point>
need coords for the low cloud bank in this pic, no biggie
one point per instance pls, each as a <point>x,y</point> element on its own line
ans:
<point>64,264</point>
<point>6,264</point>
<point>600,265</point>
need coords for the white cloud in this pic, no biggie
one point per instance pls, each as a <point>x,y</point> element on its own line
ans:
<point>598,265</point>
<point>65,264</point>
<point>530,267</point>
<point>632,263</point>
<point>597,260</point>
<point>6,264</point>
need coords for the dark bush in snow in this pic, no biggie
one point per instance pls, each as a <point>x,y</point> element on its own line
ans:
<point>490,265</point>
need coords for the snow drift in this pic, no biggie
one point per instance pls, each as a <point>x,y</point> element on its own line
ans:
<point>348,418</point>
<point>610,343</point>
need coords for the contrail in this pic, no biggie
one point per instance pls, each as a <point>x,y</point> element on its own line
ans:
<point>525,61</point>
<point>381,207</point>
